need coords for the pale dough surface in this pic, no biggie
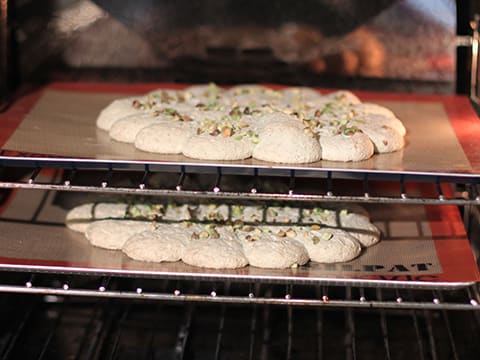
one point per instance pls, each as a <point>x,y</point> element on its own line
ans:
<point>227,236</point>
<point>116,110</point>
<point>112,234</point>
<point>332,245</point>
<point>164,138</point>
<point>126,129</point>
<point>166,243</point>
<point>285,143</point>
<point>341,147</point>
<point>270,251</point>
<point>295,125</point>
<point>222,253</point>
<point>81,216</point>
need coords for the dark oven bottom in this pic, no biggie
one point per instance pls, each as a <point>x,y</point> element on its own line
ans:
<point>53,327</point>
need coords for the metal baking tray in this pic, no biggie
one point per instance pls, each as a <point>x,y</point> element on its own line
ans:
<point>422,247</point>
<point>57,124</point>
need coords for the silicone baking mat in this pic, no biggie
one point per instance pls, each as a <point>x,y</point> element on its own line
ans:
<point>59,121</point>
<point>425,244</point>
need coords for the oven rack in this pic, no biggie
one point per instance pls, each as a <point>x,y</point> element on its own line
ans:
<point>112,328</point>
<point>466,190</point>
<point>251,293</point>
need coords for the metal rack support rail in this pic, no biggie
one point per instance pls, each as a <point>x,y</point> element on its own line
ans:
<point>473,302</point>
<point>471,196</point>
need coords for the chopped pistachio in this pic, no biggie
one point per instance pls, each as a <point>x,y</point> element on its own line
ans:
<point>238,224</point>
<point>137,104</point>
<point>318,113</point>
<point>350,131</point>
<point>181,97</point>
<point>281,233</point>
<point>248,228</point>
<point>315,240</point>
<point>294,266</point>
<point>213,106</point>
<point>164,97</point>
<point>227,131</point>
<point>169,111</point>
<point>209,227</point>
<point>194,236</point>
<point>344,212</point>
<point>272,212</point>
<point>327,236</point>
<point>328,108</point>
<point>250,238</point>
<point>254,139</point>
<point>211,215</point>
<point>135,211</point>
<point>291,233</point>
<point>213,89</point>
<point>203,235</point>
<point>235,113</point>
<point>309,132</point>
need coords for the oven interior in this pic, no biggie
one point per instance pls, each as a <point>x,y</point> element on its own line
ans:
<point>390,46</point>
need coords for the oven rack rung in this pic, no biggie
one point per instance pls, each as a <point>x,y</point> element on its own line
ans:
<point>332,188</point>
<point>246,294</point>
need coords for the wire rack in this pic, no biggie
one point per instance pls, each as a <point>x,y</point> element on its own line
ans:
<point>217,185</point>
<point>230,292</point>
<point>79,328</point>
<point>250,182</point>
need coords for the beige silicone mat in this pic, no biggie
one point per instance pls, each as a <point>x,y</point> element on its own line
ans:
<point>62,123</point>
<point>33,235</point>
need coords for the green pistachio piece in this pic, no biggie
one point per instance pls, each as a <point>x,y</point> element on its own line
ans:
<point>327,236</point>
<point>237,210</point>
